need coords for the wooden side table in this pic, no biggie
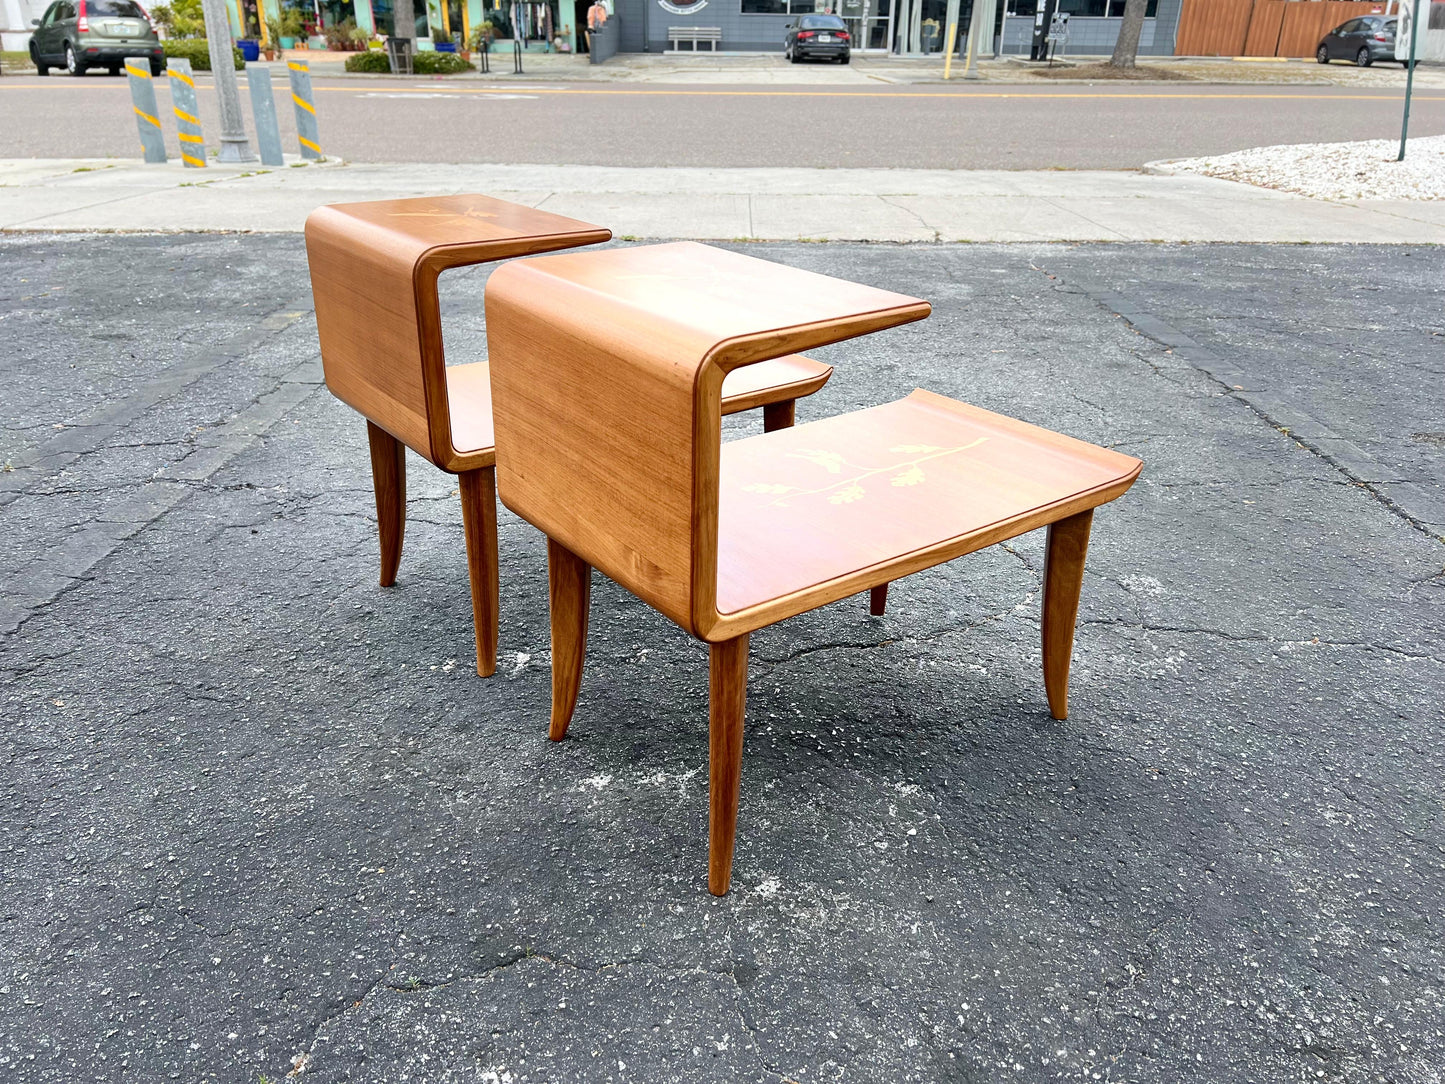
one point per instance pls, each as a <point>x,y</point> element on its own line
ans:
<point>607,373</point>
<point>374,271</point>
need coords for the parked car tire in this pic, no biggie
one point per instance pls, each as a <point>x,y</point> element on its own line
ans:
<point>157,70</point>
<point>1322,54</point>
<point>114,69</point>
<point>41,68</point>
<point>1362,58</point>
<point>72,62</point>
<point>794,57</point>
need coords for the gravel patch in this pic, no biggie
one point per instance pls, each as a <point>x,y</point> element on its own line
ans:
<point>1363,170</point>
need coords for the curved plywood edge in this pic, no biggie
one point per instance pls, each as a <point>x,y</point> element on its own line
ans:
<point>374,269</point>
<point>469,397</point>
<point>780,379</point>
<point>456,231</point>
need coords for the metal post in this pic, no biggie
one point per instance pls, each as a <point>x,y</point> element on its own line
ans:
<point>950,20</point>
<point>147,116</point>
<point>235,147</point>
<point>516,54</point>
<point>307,134</point>
<point>263,111</point>
<point>188,113</point>
<point>1409,79</point>
<point>975,31</point>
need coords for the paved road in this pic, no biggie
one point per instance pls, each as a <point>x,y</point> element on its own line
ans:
<point>255,807</point>
<point>936,127</point>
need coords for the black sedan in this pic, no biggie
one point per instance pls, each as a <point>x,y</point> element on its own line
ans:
<point>1364,40</point>
<point>824,36</point>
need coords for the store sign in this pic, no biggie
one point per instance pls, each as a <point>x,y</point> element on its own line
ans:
<point>681,9</point>
<point>1405,30</point>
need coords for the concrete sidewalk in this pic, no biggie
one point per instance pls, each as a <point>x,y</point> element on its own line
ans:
<point>718,204</point>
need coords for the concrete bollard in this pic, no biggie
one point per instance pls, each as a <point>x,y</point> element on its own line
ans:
<point>306,131</point>
<point>188,113</point>
<point>147,116</point>
<point>263,109</point>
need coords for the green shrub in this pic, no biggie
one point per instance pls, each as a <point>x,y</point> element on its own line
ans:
<point>198,52</point>
<point>373,60</point>
<point>438,64</point>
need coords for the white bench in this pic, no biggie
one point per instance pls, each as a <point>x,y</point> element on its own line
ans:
<point>676,35</point>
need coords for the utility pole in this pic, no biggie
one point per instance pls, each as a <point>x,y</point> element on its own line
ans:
<point>235,147</point>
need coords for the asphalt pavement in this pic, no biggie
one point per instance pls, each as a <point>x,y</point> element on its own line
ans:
<point>1070,126</point>
<point>260,814</point>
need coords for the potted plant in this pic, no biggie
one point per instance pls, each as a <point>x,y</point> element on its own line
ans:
<point>273,38</point>
<point>290,27</point>
<point>443,45</point>
<point>483,36</point>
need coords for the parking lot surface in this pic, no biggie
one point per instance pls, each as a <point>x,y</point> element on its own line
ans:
<point>260,816</point>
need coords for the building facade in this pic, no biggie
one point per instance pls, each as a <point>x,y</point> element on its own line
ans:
<point>901,27</point>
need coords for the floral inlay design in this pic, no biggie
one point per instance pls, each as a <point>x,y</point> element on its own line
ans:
<point>846,490</point>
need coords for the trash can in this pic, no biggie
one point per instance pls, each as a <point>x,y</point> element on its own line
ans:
<point>250,50</point>
<point>398,54</point>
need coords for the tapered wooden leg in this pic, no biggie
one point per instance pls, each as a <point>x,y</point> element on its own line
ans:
<point>569,581</point>
<point>388,477</point>
<point>1063,578</point>
<point>728,682</point>
<point>479,518</point>
<point>878,599</point>
<point>778,415</point>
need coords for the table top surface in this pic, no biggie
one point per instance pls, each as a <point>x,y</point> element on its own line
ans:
<point>719,295</point>
<point>433,222</point>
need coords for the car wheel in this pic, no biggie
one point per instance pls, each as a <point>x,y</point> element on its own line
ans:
<point>113,70</point>
<point>1322,54</point>
<point>794,57</point>
<point>1362,58</point>
<point>72,62</point>
<point>843,59</point>
<point>157,70</point>
<point>41,68</point>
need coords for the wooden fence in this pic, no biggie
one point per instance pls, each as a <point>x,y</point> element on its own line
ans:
<point>1291,28</point>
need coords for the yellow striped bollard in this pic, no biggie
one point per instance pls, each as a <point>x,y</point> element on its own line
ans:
<point>188,113</point>
<point>147,116</point>
<point>307,132</point>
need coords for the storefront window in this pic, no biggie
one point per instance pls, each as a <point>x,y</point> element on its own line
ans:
<point>785,7</point>
<point>1081,8</point>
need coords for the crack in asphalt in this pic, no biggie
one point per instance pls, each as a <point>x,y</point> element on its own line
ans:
<point>1191,353</point>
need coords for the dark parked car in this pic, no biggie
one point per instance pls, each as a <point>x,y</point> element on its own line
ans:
<point>80,34</point>
<point>1364,40</point>
<point>824,36</point>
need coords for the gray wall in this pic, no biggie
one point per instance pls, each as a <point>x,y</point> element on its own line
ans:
<point>742,33</point>
<point>1096,36</point>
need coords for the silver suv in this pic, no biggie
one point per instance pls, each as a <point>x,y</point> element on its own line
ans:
<point>82,34</point>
